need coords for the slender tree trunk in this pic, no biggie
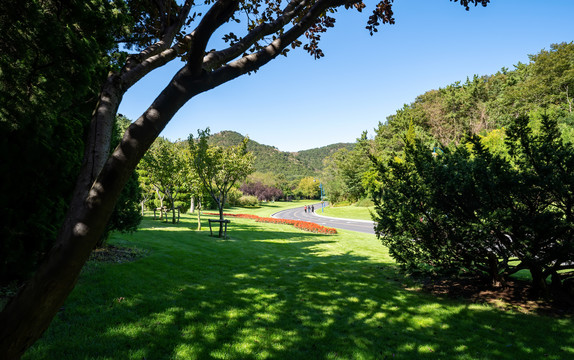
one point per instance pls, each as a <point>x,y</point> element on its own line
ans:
<point>220,209</point>
<point>493,269</point>
<point>143,204</point>
<point>192,204</point>
<point>172,208</point>
<point>199,214</point>
<point>160,203</point>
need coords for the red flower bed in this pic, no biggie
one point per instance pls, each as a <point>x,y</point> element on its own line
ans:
<point>303,225</point>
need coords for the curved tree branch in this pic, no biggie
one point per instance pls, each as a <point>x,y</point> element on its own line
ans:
<point>256,60</point>
<point>217,15</point>
<point>215,59</point>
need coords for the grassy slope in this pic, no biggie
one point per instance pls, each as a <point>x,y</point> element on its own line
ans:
<point>272,291</point>
<point>349,212</point>
<point>269,208</point>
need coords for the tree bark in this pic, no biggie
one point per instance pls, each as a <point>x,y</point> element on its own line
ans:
<point>28,314</point>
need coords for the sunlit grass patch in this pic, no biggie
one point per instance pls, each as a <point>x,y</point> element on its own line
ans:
<point>348,212</point>
<point>275,292</point>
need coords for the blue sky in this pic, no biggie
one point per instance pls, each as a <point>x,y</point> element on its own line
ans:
<point>297,103</point>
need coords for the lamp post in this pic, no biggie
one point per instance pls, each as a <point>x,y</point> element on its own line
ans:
<point>322,194</point>
<point>322,202</point>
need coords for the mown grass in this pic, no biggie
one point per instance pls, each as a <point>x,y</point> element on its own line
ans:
<point>269,208</point>
<point>348,212</point>
<point>274,292</point>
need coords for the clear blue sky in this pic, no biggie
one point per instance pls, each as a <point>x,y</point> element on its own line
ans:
<point>297,103</point>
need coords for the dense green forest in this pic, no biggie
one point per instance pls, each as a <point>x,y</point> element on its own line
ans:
<point>482,105</point>
<point>166,179</point>
<point>269,159</point>
<point>476,178</point>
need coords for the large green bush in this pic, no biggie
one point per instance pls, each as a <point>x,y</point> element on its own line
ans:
<point>467,209</point>
<point>248,200</point>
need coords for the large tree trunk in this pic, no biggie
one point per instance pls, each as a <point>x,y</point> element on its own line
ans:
<point>28,314</point>
<point>25,318</point>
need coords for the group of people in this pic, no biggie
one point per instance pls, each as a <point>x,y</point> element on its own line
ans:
<point>311,208</point>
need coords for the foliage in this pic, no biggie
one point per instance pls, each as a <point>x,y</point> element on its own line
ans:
<point>314,158</point>
<point>484,103</point>
<point>308,188</point>
<point>271,180</point>
<point>219,168</point>
<point>348,174</point>
<point>49,79</point>
<point>270,160</point>
<point>165,166</point>
<point>261,192</point>
<point>159,31</point>
<point>248,200</point>
<point>234,196</point>
<point>471,210</point>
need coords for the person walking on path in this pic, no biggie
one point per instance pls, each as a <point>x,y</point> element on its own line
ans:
<point>312,208</point>
<point>305,208</point>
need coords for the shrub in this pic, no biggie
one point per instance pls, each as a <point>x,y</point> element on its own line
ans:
<point>233,197</point>
<point>248,200</point>
<point>470,209</point>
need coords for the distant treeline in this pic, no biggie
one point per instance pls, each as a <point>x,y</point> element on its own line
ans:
<point>483,105</point>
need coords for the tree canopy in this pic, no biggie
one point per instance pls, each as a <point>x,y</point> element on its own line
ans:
<point>157,32</point>
<point>219,168</point>
<point>469,209</point>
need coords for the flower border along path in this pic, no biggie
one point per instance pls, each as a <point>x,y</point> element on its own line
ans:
<point>303,225</point>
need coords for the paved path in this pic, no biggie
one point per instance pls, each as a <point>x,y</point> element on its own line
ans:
<point>299,213</point>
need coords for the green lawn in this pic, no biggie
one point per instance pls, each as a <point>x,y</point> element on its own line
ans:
<point>274,292</point>
<point>268,208</point>
<point>348,212</point>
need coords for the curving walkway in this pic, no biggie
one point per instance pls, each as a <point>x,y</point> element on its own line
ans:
<point>298,213</point>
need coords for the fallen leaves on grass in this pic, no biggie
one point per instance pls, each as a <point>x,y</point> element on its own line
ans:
<point>116,254</point>
<point>514,295</point>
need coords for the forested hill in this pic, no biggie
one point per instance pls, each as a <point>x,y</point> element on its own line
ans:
<point>270,159</point>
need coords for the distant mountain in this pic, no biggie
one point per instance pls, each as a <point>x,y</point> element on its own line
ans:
<point>270,159</point>
<point>314,157</point>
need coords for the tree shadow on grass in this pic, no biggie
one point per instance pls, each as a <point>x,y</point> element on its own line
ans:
<point>279,294</point>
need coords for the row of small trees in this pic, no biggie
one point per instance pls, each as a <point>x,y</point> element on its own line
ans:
<point>193,167</point>
<point>197,172</point>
